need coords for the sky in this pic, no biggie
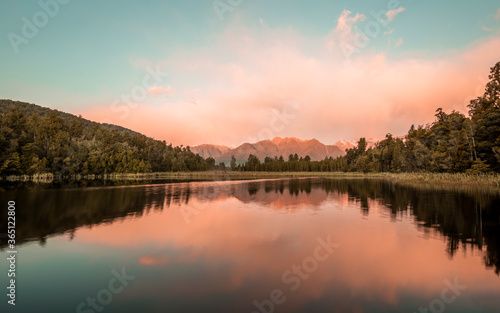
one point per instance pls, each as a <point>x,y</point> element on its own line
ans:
<point>233,71</point>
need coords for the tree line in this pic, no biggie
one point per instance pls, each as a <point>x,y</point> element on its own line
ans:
<point>453,143</point>
<point>39,140</point>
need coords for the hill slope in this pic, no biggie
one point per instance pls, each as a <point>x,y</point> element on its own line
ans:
<point>29,109</point>
<point>35,140</point>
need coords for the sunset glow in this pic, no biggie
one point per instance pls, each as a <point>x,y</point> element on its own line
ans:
<point>219,77</point>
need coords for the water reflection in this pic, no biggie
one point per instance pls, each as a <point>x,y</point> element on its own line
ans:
<point>243,236</point>
<point>469,217</point>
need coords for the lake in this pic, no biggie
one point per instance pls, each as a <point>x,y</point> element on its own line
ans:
<point>282,245</point>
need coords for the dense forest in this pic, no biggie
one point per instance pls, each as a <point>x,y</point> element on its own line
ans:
<point>453,143</point>
<point>40,140</point>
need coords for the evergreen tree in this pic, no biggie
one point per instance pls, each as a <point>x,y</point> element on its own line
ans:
<point>233,163</point>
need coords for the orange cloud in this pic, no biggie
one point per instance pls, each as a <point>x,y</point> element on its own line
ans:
<point>243,77</point>
<point>159,90</point>
<point>149,260</point>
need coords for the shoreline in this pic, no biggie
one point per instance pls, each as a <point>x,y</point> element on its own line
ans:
<point>440,178</point>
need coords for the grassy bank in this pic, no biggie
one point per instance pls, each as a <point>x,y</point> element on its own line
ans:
<point>441,178</point>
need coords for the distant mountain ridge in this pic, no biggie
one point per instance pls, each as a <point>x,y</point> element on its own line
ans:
<point>273,147</point>
<point>207,150</point>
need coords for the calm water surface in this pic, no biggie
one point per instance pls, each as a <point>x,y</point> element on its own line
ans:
<point>291,245</point>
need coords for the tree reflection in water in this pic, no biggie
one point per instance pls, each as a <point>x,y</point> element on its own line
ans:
<point>468,216</point>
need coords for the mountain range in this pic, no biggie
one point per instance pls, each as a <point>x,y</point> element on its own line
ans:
<point>274,147</point>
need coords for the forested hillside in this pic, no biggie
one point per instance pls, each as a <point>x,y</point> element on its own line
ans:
<point>34,139</point>
<point>452,143</point>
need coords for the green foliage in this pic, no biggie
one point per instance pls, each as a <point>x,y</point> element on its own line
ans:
<point>485,116</point>
<point>233,163</point>
<point>36,140</point>
<point>253,163</point>
<point>11,166</point>
<point>478,167</point>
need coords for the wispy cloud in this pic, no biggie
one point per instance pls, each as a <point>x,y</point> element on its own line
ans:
<point>344,33</point>
<point>399,42</point>
<point>487,29</point>
<point>392,14</point>
<point>498,15</point>
<point>390,31</point>
<point>160,90</point>
<point>346,22</point>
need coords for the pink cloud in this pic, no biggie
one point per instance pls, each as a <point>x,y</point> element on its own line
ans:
<point>487,29</point>
<point>345,21</point>
<point>498,15</point>
<point>392,14</point>
<point>245,77</point>
<point>344,33</point>
<point>399,42</point>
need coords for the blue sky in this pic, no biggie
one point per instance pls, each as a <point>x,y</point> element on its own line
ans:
<point>91,52</point>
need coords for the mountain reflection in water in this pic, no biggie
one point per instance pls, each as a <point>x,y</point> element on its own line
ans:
<point>233,240</point>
